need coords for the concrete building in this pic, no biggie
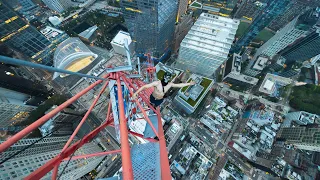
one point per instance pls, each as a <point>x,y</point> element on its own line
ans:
<point>58,5</point>
<point>13,108</point>
<point>118,43</point>
<point>189,98</point>
<point>272,84</point>
<point>181,30</point>
<point>302,137</point>
<point>255,67</point>
<point>182,9</point>
<point>61,124</point>
<point>294,30</point>
<point>233,76</point>
<point>41,152</point>
<point>207,44</point>
<point>302,117</point>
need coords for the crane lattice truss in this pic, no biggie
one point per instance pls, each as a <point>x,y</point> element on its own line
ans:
<point>155,150</point>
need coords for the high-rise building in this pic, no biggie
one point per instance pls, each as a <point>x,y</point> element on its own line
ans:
<point>249,9</point>
<point>207,44</point>
<point>271,11</point>
<point>27,5</point>
<point>13,108</point>
<point>151,24</point>
<point>302,117</point>
<point>60,124</point>
<point>188,99</point>
<point>303,49</point>
<point>38,154</point>
<point>18,97</point>
<point>182,9</point>
<point>181,30</point>
<point>233,75</point>
<point>58,5</point>
<point>306,138</point>
<point>296,29</point>
<point>293,10</point>
<point>20,35</point>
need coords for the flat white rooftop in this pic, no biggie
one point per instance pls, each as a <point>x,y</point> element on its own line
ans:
<point>120,37</point>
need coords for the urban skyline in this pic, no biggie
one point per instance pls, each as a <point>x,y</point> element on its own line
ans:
<point>241,100</point>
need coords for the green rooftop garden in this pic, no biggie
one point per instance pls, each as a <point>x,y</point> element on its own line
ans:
<point>264,35</point>
<point>186,87</point>
<point>205,83</point>
<point>161,73</point>
<point>195,4</point>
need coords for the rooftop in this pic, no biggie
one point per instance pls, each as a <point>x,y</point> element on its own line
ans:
<point>193,94</point>
<point>260,64</point>
<point>120,37</point>
<point>272,83</point>
<point>51,32</point>
<point>88,32</point>
<point>212,34</point>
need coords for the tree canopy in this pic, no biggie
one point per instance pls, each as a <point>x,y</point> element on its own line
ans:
<point>306,98</point>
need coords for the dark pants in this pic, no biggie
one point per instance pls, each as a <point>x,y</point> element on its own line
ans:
<point>155,102</point>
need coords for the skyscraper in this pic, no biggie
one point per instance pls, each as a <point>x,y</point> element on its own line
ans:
<point>296,29</point>
<point>303,49</point>
<point>272,10</point>
<point>20,35</point>
<point>306,138</point>
<point>182,8</point>
<point>18,97</point>
<point>37,155</point>
<point>27,5</point>
<point>293,10</point>
<point>151,24</point>
<point>58,5</point>
<point>207,44</point>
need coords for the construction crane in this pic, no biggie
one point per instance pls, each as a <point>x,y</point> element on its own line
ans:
<point>140,161</point>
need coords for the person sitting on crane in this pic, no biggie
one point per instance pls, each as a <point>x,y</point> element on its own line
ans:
<point>160,89</point>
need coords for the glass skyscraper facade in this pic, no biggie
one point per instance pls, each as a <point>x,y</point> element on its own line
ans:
<point>151,24</point>
<point>20,35</point>
<point>303,49</point>
<point>271,11</point>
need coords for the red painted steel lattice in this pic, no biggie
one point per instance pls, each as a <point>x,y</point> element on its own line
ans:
<point>69,148</point>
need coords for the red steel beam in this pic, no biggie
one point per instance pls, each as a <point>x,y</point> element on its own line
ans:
<point>93,155</point>
<point>125,147</point>
<point>165,169</point>
<point>142,110</point>
<point>55,172</point>
<point>85,117</point>
<point>5,145</point>
<point>47,167</point>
